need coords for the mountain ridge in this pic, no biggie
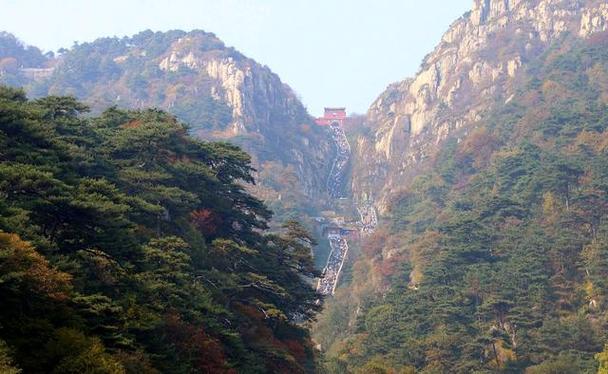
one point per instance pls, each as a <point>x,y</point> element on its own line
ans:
<point>219,92</point>
<point>413,116</point>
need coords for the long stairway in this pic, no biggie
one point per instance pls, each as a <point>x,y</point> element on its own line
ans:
<point>336,178</point>
<point>338,238</point>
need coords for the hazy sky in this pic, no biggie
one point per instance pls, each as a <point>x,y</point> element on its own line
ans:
<point>332,52</point>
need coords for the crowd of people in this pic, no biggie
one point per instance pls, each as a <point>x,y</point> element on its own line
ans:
<point>337,240</point>
<point>335,182</point>
<point>339,249</point>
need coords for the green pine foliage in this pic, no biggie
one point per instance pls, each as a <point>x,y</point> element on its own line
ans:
<point>126,246</point>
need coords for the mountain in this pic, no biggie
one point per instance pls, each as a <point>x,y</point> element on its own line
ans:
<point>489,172</point>
<point>221,94</point>
<point>474,68</point>
<point>481,185</point>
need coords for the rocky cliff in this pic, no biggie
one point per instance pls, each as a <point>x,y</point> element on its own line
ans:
<point>473,68</point>
<point>220,93</point>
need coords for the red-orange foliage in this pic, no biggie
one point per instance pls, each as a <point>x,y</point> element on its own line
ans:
<point>388,267</point>
<point>133,124</point>
<point>192,342</point>
<point>259,333</point>
<point>373,245</point>
<point>206,221</point>
<point>297,349</point>
<point>479,145</point>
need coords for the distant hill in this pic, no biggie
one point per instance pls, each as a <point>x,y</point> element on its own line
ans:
<point>218,92</point>
<point>16,59</point>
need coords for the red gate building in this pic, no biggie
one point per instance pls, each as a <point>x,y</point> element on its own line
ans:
<point>332,115</point>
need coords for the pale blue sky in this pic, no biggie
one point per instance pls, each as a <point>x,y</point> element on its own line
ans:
<point>332,52</point>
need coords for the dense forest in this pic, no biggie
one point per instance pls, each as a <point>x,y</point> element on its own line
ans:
<point>501,261</point>
<point>126,246</point>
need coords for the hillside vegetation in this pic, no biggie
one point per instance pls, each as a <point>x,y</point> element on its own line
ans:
<point>495,257</point>
<point>219,92</point>
<point>127,246</point>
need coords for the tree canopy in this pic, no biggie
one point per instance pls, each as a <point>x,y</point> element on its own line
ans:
<point>127,246</point>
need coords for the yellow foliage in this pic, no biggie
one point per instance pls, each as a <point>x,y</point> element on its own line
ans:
<point>588,287</point>
<point>503,355</point>
<point>553,91</point>
<point>20,258</point>
<point>6,362</point>
<point>602,358</point>
<point>378,365</point>
<point>422,253</point>
<point>549,204</point>
<point>78,353</point>
<point>597,142</point>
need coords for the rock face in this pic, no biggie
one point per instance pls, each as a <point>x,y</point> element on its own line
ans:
<point>220,93</point>
<point>474,66</point>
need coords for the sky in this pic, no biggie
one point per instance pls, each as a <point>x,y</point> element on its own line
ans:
<point>331,52</point>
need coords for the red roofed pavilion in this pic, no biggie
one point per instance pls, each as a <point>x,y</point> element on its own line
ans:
<point>332,115</point>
